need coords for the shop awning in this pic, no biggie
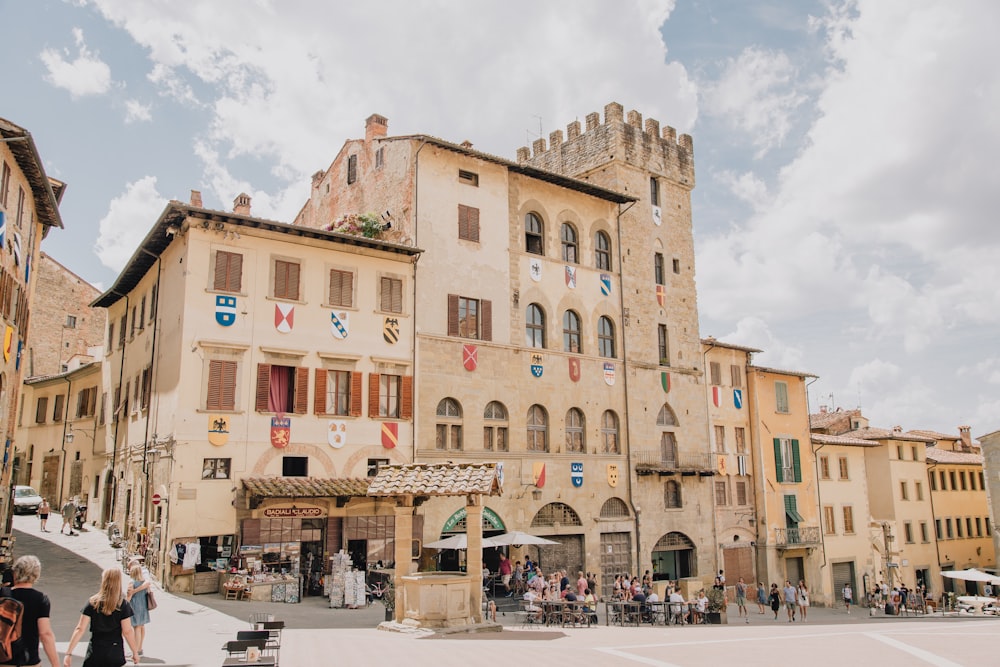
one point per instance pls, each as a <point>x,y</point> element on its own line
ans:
<point>436,479</point>
<point>793,515</point>
<point>305,487</point>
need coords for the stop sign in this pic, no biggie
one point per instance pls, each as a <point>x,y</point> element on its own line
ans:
<point>156,499</point>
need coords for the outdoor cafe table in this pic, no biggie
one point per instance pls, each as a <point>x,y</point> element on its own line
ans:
<point>622,612</point>
<point>262,661</point>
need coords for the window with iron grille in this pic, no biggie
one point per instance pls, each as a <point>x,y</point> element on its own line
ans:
<point>556,513</point>
<point>614,508</point>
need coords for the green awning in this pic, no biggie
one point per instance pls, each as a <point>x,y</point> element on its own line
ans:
<point>793,515</point>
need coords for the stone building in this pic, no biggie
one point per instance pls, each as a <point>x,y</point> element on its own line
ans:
<point>29,208</point>
<point>66,327</point>
<point>990,445</point>
<point>557,332</point>
<point>259,373</point>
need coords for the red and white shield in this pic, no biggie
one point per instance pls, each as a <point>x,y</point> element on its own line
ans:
<point>284,317</point>
<point>574,370</point>
<point>661,294</point>
<point>470,357</point>
<point>281,431</point>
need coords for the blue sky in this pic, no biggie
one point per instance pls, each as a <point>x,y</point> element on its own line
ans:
<point>845,150</point>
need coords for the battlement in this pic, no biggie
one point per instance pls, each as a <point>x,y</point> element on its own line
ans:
<point>619,137</point>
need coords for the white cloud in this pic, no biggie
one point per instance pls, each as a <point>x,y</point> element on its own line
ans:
<point>747,187</point>
<point>756,94</point>
<point>127,222</point>
<point>136,111</point>
<point>86,74</point>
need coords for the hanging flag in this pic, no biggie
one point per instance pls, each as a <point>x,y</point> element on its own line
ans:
<point>8,343</point>
<point>17,249</point>
<point>657,216</point>
<point>722,464</point>
<point>538,474</point>
<point>741,464</point>
<point>470,357</point>
<point>281,431</point>
<point>576,473</point>
<point>338,324</point>
<point>661,295</point>
<point>17,362</point>
<point>536,365</point>
<point>225,310</point>
<point>218,430</point>
<point>535,269</point>
<point>390,435</point>
<point>3,230</point>
<point>612,475</point>
<point>738,398</point>
<point>605,284</point>
<point>500,474</point>
<point>571,277</point>
<point>27,270</point>
<point>284,317</point>
<point>609,373</point>
<point>574,369</point>
<point>336,433</point>
<point>716,395</point>
<point>665,381</point>
<point>390,332</point>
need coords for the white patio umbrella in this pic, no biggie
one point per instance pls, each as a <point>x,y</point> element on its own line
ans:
<point>459,541</point>
<point>971,574</point>
<point>518,538</point>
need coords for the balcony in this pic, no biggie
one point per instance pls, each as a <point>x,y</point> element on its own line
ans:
<point>656,462</point>
<point>796,538</point>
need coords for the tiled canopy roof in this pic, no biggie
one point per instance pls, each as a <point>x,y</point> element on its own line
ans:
<point>436,479</point>
<point>305,487</point>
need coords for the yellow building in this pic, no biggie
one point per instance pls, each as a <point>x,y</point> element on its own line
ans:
<point>29,208</point>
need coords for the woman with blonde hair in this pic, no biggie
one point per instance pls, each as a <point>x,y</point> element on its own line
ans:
<point>138,597</point>
<point>108,614</point>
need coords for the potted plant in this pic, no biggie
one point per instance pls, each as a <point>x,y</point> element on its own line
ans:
<point>389,600</point>
<point>716,606</point>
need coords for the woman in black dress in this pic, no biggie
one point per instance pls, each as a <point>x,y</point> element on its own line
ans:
<point>108,614</point>
<point>775,600</point>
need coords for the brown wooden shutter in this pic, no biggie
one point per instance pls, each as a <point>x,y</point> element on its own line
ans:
<point>356,391</point>
<point>452,314</point>
<point>301,390</point>
<point>463,221</point>
<point>474,224</point>
<point>221,270</point>
<point>406,398</point>
<point>263,387</point>
<point>293,281</point>
<point>397,295</point>
<point>228,394</point>
<point>235,278</point>
<point>385,294</point>
<point>319,400</point>
<point>373,394</point>
<point>212,400</point>
<point>487,315</point>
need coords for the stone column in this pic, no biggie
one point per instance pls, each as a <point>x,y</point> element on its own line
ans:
<point>404,550</point>
<point>474,555</point>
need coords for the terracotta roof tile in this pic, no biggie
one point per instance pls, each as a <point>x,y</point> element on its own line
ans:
<point>305,487</point>
<point>823,439</point>
<point>872,433</point>
<point>947,456</point>
<point>436,479</point>
<point>822,420</point>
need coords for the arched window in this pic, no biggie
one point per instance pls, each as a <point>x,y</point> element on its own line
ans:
<point>556,513</point>
<point>449,425</point>
<point>538,429</point>
<point>495,430</point>
<point>575,431</point>
<point>533,234</point>
<point>614,508</point>
<point>605,337</point>
<point>602,251</point>
<point>666,422</point>
<point>534,326</point>
<point>609,432</point>
<point>672,495</point>
<point>567,235</point>
<point>571,332</point>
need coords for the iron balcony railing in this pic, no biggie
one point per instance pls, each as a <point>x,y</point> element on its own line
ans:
<point>658,460</point>
<point>795,537</point>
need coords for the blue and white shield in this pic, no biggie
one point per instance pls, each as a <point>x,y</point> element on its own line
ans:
<point>576,474</point>
<point>225,310</point>
<point>536,365</point>
<point>339,324</point>
<point>738,398</point>
<point>605,284</point>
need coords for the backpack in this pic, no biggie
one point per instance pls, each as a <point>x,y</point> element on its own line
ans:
<point>11,611</point>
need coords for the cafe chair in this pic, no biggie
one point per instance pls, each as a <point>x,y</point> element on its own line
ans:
<point>262,637</point>
<point>237,648</point>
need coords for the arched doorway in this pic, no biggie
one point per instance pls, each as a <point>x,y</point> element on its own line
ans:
<point>109,498</point>
<point>674,556</point>
<point>452,560</point>
<point>568,554</point>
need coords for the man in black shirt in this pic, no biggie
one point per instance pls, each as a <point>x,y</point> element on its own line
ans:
<point>35,624</point>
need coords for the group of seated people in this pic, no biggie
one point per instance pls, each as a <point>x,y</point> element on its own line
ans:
<point>557,587</point>
<point>680,610</point>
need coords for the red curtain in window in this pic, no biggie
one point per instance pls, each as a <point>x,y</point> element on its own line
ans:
<point>278,391</point>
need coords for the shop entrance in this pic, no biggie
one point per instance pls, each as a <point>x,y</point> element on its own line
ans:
<point>311,563</point>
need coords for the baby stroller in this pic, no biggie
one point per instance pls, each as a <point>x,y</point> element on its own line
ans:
<point>79,517</point>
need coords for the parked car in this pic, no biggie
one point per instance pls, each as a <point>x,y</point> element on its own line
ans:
<point>26,500</point>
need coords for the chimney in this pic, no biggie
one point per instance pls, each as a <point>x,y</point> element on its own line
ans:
<point>241,205</point>
<point>966,435</point>
<point>376,126</point>
<point>897,430</point>
<point>466,144</point>
<point>196,198</point>
<point>822,409</point>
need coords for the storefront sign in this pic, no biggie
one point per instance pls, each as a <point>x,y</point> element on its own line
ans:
<point>490,519</point>
<point>285,512</point>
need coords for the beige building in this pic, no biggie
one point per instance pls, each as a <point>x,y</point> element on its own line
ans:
<point>789,541</point>
<point>962,522</point>
<point>557,332</point>
<point>29,207</point>
<point>259,374</point>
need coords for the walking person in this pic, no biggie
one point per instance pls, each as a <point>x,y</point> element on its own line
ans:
<point>138,597</point>
<point>775,599</point>
<point>107,613</point>
<point>761,597</point>
<point>741,599</point>
<point>68,514</point>
<point>848,595</point>
<point>803,593</point>
<point>36,626</point>
<point>43,514</point>
<point>790,594</point>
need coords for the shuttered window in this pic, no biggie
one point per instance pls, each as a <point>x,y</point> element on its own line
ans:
<point>286,280</point>
<point>341,288</point>
<point>228,271</point>
<point>468,223</point>
<point>781,397</point>
<point>282,389</point>
<point>787,462</point>
<point>337,393</point>
<point>352,168</point>
<point>390,396</point>
<point>470,318</point>
<point>391,295</point>
<point>221,393</point>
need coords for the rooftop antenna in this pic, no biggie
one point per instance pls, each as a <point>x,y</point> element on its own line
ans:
<point>529,133</point>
